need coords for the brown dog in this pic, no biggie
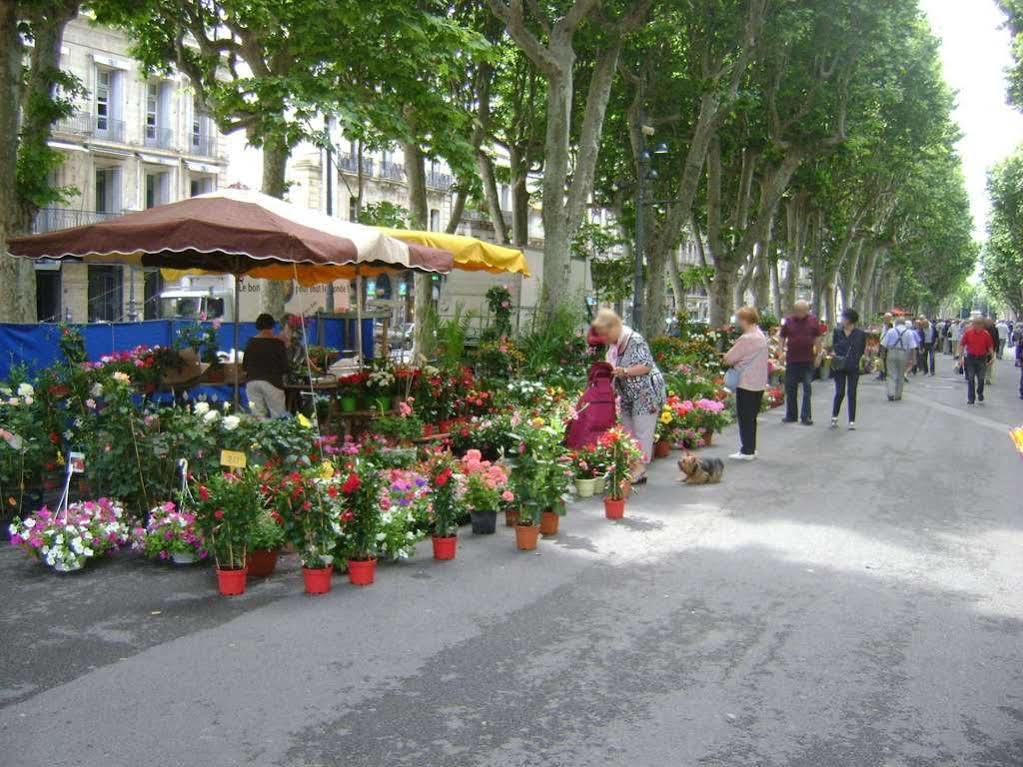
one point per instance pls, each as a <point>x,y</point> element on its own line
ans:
<point>701,471</point>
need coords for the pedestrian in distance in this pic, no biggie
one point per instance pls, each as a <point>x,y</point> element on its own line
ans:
<point>883,352</point>
<point>989,369</point>
<point>848,345</point>
<point>978,350</point>
<point>1019,364</point>
<point>265,364</point>
<point>1003,336</point>
<point>748,357</point>
<point>928,336</point>
<point>899,344</point>
<point>800,345</point>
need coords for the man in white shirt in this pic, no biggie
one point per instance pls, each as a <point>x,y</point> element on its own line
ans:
<point>1003,336</point>
<point>899,343</point>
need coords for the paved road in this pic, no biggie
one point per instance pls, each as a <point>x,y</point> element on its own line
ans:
<point>850,599</point>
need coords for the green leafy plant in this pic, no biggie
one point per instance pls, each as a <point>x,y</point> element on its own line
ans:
<point>227,508</point>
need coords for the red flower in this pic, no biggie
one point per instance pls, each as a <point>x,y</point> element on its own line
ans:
<point>332,491</point>
<point>218,514</point>
<point>351,484</point>
<point>204,494</point>
<point>443,477</point>
<point>347,516</point>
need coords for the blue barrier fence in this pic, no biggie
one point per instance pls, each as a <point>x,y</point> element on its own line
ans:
<point>37,347</point>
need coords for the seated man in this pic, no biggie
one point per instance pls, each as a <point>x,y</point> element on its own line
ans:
<point>265,364</point>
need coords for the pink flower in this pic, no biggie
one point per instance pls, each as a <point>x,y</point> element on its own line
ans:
<point>508,496</point>
<point>404,410</point>
<point>90,403</point>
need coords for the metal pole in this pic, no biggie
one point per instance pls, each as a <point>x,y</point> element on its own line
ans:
<point>637,278</point>
<point>328,302</point>
<point>237,279</point>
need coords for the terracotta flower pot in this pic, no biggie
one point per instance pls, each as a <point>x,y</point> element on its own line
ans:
<point>526,536</point>
<point>614,508</point>
<point>662,449</point>
<point>231,582</point>
<point>511,518</point>
<point>361,572</point>
<point>444,548</point>
<point>317,579</point>
<point>262,562</point>
<point>549,522</point>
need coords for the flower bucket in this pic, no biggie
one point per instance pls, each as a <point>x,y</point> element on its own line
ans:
<point>549,521</point>
<point>586,487</point>
<point>183,557</point>
<point>526,537</point>
<point>444,548</point>
<point>349,404</point>
<point>382,402</point>
<point>483,522</point>
<point>614,508</point>
<point>662,449</point>
<point>511,518</point>
<point>231,582</point>
<point>361,572</point>
<point>262,562</point>
<point>317,579</point>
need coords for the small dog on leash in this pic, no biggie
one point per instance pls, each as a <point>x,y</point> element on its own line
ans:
<point>701,471</point>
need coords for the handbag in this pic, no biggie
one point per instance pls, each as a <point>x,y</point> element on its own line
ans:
<point>733,374</point>
<point>838,363</point>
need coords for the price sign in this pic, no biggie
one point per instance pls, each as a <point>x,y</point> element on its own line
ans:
<point>233,459</point>
<point>76,461</point>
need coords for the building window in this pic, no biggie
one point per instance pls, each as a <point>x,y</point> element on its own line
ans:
<point>48,293</point>
<point>152,110</point>
<point>353,209</point>
<point>200,185</point>
<point>103,87</point>
<point>107,191</point>
<point>157,189</point>
<point>505,193</point>
<point>106,293</point>
<point>434,220</point>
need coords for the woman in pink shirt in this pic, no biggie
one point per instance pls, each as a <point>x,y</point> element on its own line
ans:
<point>748,355</point>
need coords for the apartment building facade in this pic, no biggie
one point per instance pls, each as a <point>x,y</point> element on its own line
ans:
<point>134,142</point>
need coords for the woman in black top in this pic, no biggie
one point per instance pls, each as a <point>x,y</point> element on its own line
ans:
<point>848,345</point>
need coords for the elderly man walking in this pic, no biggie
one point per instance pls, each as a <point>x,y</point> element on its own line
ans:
<point>899,343</point>
<point>978,351</point>
<point>800,344</point>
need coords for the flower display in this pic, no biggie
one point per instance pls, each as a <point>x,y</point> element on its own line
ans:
<point>405,507</point>
<point>228,506</point>
<point>66,540</point>
<point>621,452</point>
<point>169,531</point>
<point>485,484</point>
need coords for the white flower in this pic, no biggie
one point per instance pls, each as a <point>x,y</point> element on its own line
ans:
<point>88,552</point>
<point>29,400</point>
<point>4,391</point>
<point>121,377</point>
<point>225,406</point>
<point>211,416</point>
<point>68,435</point>
<point>14,402</point>
<point>381,536</point>
<point>96,390</point>
<point>29,523</point>
<point>201,408</point>
<point>25,390</point>
<point>231,422</point>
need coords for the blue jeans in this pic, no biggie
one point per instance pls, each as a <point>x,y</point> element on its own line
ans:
<point>975,369</point>
<point>797,373</point>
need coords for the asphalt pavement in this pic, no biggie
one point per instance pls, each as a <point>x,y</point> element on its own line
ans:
<point>850,598</point>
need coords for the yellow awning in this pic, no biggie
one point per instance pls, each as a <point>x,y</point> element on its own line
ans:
<point>470,254</point>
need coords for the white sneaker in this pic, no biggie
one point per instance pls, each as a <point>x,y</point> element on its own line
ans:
<point>852,425</point>
<point>834,423</point>
<point>742,457</point>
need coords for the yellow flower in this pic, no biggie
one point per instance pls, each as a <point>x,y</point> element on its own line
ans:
<point>326,470</point>
<point>666,417</point>
<point>536,423</point>
<point>303,421</point>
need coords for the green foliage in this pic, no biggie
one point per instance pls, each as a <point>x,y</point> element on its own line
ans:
<point>227,508</point>
<point>384,213</point>
<point>553,341</point>
<point>1003,252</point>
<point>610,271</point>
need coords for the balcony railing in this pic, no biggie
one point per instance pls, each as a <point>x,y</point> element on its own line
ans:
<point>158,138</point>
<point>350,164</point>
<point>91,125</point>
<point>204,144</point>
<point>392,170</point>
<point>441,181</point>
<point>51,219</point>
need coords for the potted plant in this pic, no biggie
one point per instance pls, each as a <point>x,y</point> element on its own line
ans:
<point>170,533</point>
<point>380,385</point>
<point>622,453</point>
<point>539,475</point>
<point>228,506</point>
<point>360,494</point>
<point>441,470</point>
<point>307,502</point>
<point>66,540</point>
<point>350,387</point>
<point>707,416</point>
<point>405,506</point>
<point>486,487</point>
<point>265,543</point>
<point>589,468</point>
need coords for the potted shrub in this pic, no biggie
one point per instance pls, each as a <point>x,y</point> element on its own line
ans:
<point>170,534</point>
<point>350,387</point>
<point>306,501</point>
<point>404,516</point>
<point>265,543</point>
<point>486,487</point>
<point>380,386</point>
<point>441,470</point>
<point>66,540</point>
<point>360,493</point>
<point>228,506</point>
<point>707,416</point>
<point>539,475</point>
<point>589,469</point>
<point>622,453</point>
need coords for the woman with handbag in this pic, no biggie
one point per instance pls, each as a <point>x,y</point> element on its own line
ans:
<point>748,379</point>
<point>848,344</point>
